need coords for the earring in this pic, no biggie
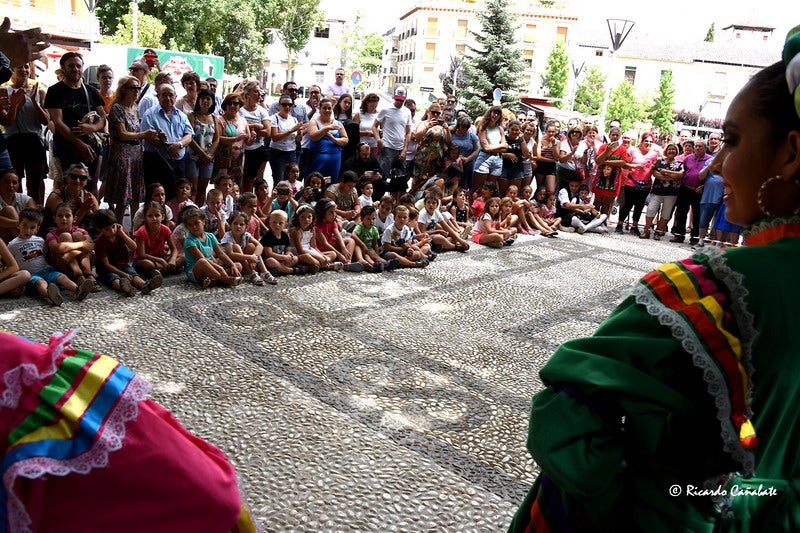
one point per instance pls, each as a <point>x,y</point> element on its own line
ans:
<point>782,210</point>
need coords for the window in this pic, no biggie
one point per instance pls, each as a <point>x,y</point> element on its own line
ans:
<point>319,77</point>
<point>630,74</point>
<point>461,32</point>
<point>433,24</point>
<point>322,33</point>
<point>530,34</point>
<point>598,53</point>
<point>428,70</point>
<point>461,48</point>
<point>561,35</point>
<point>719,85</point>
<point>527,58</point>
<point>430,51</point>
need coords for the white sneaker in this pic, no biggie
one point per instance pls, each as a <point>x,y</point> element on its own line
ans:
<point>337,266</point>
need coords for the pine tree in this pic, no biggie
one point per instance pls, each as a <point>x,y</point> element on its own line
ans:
<point>624,106</point>
<point>556,75</point>
<point>589,95</point>
<point>710,34</point>
<point>495,61</point>
<point>661,113</point>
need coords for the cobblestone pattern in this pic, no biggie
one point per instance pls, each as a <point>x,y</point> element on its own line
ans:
<point>361,402</point>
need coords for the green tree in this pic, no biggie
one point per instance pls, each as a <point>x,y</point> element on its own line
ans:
<point>150,30</point>
<point>243,55</point>
<point>494,61</point>
<point>360,49</point>
<point>295,19</point>
<point>624,106</point>
<point>590,92</point>
<point>661,113</point>
<point>556,75</point>
<point>710,34</point>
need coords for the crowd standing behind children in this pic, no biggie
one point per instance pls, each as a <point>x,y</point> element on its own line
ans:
<point>309,222</point>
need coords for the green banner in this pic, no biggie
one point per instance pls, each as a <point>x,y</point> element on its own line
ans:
<point>178,63</point>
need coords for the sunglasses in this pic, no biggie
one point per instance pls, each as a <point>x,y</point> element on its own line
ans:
<point>293,90</point>
<point>134,88</point>
<point>436,113</point>
<point>313,92</point>
<point>78,177</point>
<point>135,69</point>
<point>286,104</point>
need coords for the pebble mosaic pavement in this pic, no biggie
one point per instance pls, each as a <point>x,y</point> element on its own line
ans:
<point>364,402</point>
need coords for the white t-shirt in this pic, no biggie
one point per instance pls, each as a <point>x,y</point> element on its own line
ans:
<point>396,236</point>
<point>365,200</point>
<point>565,147</point>
<point>30,254</point>
<point>383,224</point>
<point>393,122</point>
<point>287,144</point>
<point>256,116</point>
<point>429,221</point>
<point>365,124</point>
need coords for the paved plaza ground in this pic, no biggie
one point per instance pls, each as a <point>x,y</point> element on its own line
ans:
<point>366,402</point>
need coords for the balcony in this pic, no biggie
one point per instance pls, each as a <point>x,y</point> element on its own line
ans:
<point>55,17</point>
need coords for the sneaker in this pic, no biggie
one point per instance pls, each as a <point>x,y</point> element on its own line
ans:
<point>508,242</point>
<point>126,287</point>
<point>581,229</point>
<point>635,231</point>
<point>618,230</point>
<point>155,281</point>
<point>391,264</point>
<point>570,229</point>
<point>353,267</point>
<point>83,290</point>
<point>312,269</point>
<point>301,269</point>
<point>377,267</point>
<point>461,247</point>
<point>677,238</point>
<point>336,266</point>
<point>54,294</point>
<point>432,255</point>
<point>693,240</point>
<point>494,244</point>
<point>422,263</point>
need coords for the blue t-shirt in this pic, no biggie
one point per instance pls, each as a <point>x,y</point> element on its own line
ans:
<point>206,248</point>
<point>466,143</point>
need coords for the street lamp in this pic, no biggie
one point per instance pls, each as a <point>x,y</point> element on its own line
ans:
<point>700,108</point>
<point>576,71</point>
<point>618,29</point>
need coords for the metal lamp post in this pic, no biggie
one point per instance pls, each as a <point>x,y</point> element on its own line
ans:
<point>576,71</point>
<point>618,29</point>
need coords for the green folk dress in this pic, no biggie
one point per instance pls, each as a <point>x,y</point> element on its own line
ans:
<point>681,412</point>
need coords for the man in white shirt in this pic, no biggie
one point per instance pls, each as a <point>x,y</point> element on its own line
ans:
<point>392,130</point>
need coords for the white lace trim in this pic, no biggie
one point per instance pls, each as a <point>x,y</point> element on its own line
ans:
<point>109,440</point>
<point>25,374</point>
<point>745,321</point>
<point>766,223</point>
<point>684,332</point>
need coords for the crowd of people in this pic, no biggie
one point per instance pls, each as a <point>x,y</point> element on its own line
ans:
<point>135,143</point>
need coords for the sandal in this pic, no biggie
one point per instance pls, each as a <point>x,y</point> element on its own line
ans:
<point>96,287</point>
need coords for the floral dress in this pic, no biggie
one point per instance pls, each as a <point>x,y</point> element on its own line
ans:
<point>125,178</point>
<point>229,158</point>
<point>429,159</point>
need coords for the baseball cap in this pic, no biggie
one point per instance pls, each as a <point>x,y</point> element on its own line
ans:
<point>400,93</point>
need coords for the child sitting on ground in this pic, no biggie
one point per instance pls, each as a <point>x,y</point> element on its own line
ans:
<point>329,236</point>
<point>248,204</point>
<point>313,191</point>
<point>71,246</point>
<point>460,211</point>
<point>112,256</point>
<point>263,199</point>
<point>520,209</point>
<point>30,253</point>
<point>277,246</point>
<point>12,279</point>
<point>368,243</point>
<point>365,199</point>
<point>385,216</point>
<point>242,247</point>
<point>487,230</point>
<point>303,237</point>
<point>206,261</point>
<point>183,196</point>
<point>547,213</point>
<point>156,253</point>
<point>226,185</point>
<point>397,242</point>
<point>154,193</point>
<point>443,235</point>
<point>282,199</point>
<point>215,214</point>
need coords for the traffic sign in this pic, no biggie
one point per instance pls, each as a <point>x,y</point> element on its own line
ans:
<point>356,77</point>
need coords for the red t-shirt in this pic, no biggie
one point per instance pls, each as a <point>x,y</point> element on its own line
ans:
<point>155,245</point>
